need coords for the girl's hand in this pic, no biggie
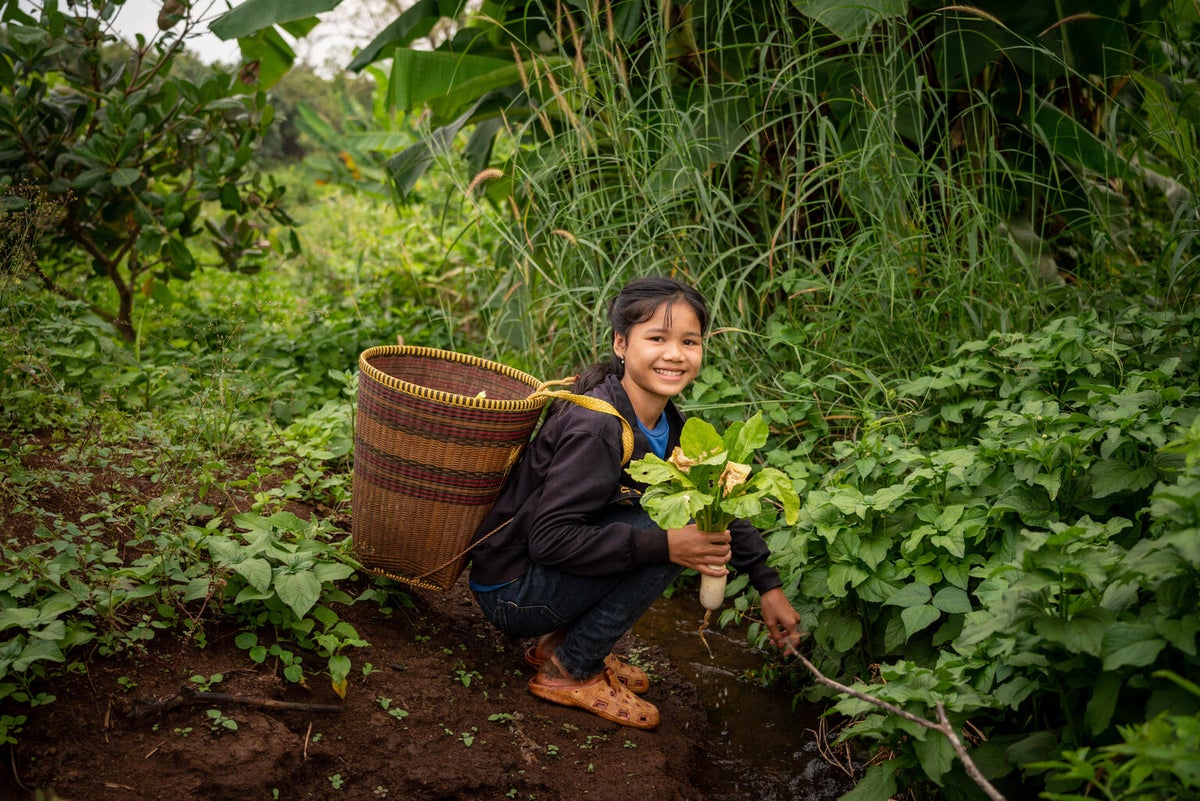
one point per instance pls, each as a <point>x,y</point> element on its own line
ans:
<point>702,551</point>
<point>781,619</point>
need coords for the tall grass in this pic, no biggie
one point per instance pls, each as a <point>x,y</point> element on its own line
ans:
<point>841,213</point>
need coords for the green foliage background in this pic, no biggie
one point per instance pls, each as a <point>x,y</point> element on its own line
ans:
<point>951,257</point>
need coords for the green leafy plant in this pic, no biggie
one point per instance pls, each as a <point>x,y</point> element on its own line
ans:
<point>386,705</point>
<point>465,675</point>
<point>282,574</point>
<point>1019,546</point>
<point>709,478</point>
<point>219,722</point>
<point>203,684</point>
<point>1155,760</point>
<point>132,147</point>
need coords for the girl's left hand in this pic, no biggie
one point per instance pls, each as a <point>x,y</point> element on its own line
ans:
<point>781,619</point>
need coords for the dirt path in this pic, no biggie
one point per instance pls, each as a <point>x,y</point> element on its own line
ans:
<point>472,730</point>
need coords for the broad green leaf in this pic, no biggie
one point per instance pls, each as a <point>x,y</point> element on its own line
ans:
<point>300,591</point>
<point>842,574</point>
<point>55,630</point>
<point>875,590</point>
<point>196,589</point>
<point>927,574</point>
<point>652,470</point>
<point>956,572</point>
<point>248,593</point>
<point>848,500</point>
<point>224,550</point>
<point>949,517</point>
<point>936,756</point>
<point>699,440</point>
<point>255,570</point>
<point>252,16</point>
<point>743,506</point>
<point>850,21</point>
<point>1066,138</point>
<point>1180,633</point>
<point>952,600</point>
<point>749,438</point>
<point>470,91</point>
<point>776,484</point>
<point>874,550</point>
<point>418,76</point>
<point>1132,644</point>
<point>912,542</point>
<point>894,635</point>
<point>877,784</point>
<point>883,498</point>
<point>249,521</point>
<point>1036,747</point>
<point>917,618</point>
<point>914,594</point>
<point>406,167</point>
<point>339,671</point>
<point>1103,702</point>
<point>1111,476</point>
<point>37,650</point>
<point>1014,691</point>
<point>288,521</point>
<point>674,509</point>
<point>952,541</point>
<point>1082,634</point>
<point>838,630</point>
<point>270,51</point>
<point>125,176</point>
<point>332,571</point>
<point>414,23</point>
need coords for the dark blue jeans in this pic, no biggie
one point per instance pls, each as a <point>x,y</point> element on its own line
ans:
<point>596,610</point>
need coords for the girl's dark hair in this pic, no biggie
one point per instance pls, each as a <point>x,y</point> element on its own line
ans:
<point>636,303</point>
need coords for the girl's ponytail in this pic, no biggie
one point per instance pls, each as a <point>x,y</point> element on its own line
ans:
<point>596,374</point>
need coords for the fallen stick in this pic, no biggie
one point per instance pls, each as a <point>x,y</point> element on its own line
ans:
<point>943,725</point>
<point>187,697</point>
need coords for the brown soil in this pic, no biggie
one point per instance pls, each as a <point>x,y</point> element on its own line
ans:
<point>120,728</point>
<point>486,739</point>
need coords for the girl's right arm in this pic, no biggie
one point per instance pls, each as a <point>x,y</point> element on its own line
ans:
<point>566,531</point>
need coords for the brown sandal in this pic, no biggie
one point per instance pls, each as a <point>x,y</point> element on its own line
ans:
<point>601,695</point>
<point>631,676</point>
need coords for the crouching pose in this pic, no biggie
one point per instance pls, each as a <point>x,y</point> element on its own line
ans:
<point>568,556</point>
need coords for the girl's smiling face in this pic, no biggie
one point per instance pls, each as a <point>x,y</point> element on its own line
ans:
<point>662,356</point>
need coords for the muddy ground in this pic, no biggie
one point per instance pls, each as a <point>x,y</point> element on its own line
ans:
<point>472,730</point>
<point>442,713</point>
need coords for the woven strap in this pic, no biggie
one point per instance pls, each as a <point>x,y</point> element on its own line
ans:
<point>595,404</point>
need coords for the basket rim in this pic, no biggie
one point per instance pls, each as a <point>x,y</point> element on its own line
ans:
<point>534,401</point>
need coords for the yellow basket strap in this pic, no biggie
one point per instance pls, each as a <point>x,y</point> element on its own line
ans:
<point>596,405</point>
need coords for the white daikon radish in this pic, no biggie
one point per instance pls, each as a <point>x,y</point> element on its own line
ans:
<point>712,591</point>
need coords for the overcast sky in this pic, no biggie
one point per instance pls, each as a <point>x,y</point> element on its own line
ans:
<point>333,38</point>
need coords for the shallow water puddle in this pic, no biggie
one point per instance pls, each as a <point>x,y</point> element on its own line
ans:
<point>768,751</point>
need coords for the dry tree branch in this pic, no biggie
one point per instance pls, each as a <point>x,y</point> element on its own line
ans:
<point>943,725</point>
<point>187,696</point>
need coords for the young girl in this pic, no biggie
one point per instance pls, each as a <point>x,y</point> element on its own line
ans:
<point>579,561</point>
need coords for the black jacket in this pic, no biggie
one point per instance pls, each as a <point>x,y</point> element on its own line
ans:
<point>570,473</point>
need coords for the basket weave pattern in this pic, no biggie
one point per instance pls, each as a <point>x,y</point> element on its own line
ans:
<point>434,439</point>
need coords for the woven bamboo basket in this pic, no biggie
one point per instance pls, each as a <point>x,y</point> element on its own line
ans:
<point>434,439</point>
